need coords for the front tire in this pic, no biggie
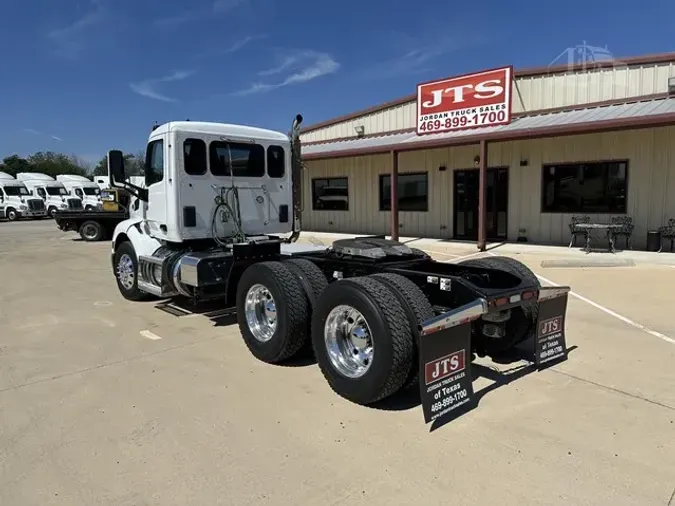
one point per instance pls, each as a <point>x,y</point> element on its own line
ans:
<point>126,272</point>
<point>12,214</point>
<point>272,311</point>
<point>362,340</point>
<point>52,212</point>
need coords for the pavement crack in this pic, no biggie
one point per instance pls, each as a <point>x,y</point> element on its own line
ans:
<point>616,390</point>
<point>107,364</point>
<point>672,499</point>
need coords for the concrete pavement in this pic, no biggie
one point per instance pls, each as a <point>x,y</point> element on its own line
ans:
<point>114,403</point>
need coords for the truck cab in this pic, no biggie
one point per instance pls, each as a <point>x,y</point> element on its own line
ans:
<point>53,193</point>
<point>16,202</point>
<point>82,187</point>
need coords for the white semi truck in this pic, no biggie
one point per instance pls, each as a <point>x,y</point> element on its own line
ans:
<point>86,189</point>
<point>219,220</point>
<point>52,192</point>
<point>16,201</point>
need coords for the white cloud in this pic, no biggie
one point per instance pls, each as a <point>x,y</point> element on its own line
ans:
<point>67,39</point>
<point>56,138</point>
<point>222,6</point>
<point>242,42</point>
<point>32,131</point>
<point>299,67</point>
<point>146,88</point>
<point>417,55</point>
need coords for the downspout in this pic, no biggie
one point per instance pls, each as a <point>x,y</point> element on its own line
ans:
<point>296,179</point>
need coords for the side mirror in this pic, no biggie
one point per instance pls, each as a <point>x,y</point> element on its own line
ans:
<point>116,166</point>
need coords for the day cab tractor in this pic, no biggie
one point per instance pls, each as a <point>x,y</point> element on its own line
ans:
<point>219,220</point>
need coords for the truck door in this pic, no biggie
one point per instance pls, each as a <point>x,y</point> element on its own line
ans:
<point>155,182</point>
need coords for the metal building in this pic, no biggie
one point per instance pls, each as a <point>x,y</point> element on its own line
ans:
<point>594,139</point>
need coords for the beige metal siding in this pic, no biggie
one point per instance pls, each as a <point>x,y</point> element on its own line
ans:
<point>651,184</point>
<point>537,92</point>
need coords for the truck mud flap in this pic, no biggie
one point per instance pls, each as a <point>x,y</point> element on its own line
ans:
<point>446,387</point>
<point>549,344</point>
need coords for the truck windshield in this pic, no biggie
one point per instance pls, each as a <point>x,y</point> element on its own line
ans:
<point>55,191</point>
<point>15,191</point>
<point>91,191</point>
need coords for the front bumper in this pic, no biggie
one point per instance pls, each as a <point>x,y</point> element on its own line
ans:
<point>31,214</point>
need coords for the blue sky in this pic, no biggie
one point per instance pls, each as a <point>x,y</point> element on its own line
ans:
<point>85,76</point>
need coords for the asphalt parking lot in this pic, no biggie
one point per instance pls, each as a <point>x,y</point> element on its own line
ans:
<point>108,402</point>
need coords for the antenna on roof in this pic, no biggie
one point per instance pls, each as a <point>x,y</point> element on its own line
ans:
<point>155,126</point>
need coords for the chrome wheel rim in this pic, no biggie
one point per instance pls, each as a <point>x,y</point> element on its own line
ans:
<point>349,341</point>
<point>261,312</point>
<point>89,231</point>
<point>11,216</point>
<point>125,271</point>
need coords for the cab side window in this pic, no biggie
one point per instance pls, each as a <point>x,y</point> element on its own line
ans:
<point>194,157</point>
<point>42,193</point>
<point>154,163</point>
<point>79,193</point>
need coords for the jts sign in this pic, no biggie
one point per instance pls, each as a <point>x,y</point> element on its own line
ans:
<point>473,100</point>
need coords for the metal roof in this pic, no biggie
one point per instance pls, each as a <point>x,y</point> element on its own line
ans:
<point>600,118</point>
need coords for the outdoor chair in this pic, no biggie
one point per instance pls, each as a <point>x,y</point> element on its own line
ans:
<point>667,232</point>
<point>574,231</point>
<point>626,230</point>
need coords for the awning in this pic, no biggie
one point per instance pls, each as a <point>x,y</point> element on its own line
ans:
<point>637,114</point>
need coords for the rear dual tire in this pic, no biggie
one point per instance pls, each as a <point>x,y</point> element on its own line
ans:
<point>363,331</point>
<point>522,325</point>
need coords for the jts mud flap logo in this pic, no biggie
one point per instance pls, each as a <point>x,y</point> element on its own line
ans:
<point>444,367</point>
<point>550,326</point>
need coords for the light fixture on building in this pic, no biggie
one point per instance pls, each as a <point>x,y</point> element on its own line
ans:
<point>671,85</point>
<point>476,160</point>
<point>360,130</point>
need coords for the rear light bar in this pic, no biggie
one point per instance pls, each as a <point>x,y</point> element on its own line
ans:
<point>515,298</point>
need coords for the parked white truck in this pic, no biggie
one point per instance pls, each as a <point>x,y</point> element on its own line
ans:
<point>16,202</point>
<point>52,192</point>
<point>84,188</point>
<point>380,316</point>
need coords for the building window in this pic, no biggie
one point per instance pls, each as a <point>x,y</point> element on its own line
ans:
<point>236,159</point>
<point>589,187</point>
<point>413,192</point>
<point>194,157</point>
<point>275,161</point>
<point>330,194</point>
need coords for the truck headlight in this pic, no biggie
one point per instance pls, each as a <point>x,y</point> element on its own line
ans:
<point>23,208</point>
<point>64,206</point>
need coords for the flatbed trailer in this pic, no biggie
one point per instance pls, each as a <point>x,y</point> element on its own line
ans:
<point>91,225</point>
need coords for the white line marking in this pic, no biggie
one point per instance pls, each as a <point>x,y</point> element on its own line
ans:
<point>672,266</point>
<point>441,253</point>
<point>149,335</point>
<point>610,312</point>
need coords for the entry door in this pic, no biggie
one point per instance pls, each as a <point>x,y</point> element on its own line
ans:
<point>466,203</point>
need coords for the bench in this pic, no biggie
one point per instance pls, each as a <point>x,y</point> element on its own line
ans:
<point>575,231</point>
<point>667,232</point>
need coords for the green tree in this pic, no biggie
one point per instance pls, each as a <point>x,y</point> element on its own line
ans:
<point>14,164</point>
<point>134,165</point>
<point>54,164</point>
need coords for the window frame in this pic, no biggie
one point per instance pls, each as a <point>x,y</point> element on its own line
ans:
<point>380,188</point>
<point>206,156</point>
<point>546,166</point>
<point>213,147</point>
<point>328,178</point>
<point>148,162</point>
